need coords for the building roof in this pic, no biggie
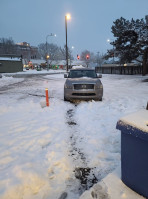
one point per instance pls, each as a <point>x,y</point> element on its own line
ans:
<point>10,59</point>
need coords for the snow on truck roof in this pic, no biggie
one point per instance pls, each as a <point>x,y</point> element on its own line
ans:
<point>81,68</point>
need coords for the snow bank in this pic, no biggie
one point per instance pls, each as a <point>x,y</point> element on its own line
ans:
<point>34,71</point>
<point>30,71</point>
<point>5,81</point>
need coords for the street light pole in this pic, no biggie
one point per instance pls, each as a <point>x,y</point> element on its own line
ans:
<point>67,17</point>
<point>66,44</point>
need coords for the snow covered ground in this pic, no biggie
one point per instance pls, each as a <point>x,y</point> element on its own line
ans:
<point>45,151</point>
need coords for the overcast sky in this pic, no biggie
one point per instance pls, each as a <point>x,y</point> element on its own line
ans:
<point>89,27</point>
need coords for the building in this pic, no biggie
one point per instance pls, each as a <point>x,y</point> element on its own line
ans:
<point>26,51</point>
<point>23,50</point>
<point>10,64</point>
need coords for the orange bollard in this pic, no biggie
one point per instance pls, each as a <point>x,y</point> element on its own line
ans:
<point>47,98</point>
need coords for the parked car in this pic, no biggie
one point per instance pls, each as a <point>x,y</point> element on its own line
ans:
<point>83,84</point>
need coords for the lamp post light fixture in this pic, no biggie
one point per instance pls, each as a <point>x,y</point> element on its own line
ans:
<point>67,17</point>
<point>47,56</point>
<point>109,41</point>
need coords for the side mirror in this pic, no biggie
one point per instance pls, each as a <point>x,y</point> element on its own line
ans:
<point>65,75</point>
<point>99,75</point>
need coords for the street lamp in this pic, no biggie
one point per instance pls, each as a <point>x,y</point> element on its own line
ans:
<point>109,41</point>
<point>67,17</point>
<point>47,56</point>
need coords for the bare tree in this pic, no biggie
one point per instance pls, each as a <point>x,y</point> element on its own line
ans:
<point>7,46</point>
<point>63,52</point>
<point>87,57</point>
<point>99,59</point>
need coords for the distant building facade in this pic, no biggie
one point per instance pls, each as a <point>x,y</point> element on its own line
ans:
<point>26,51</point>
<point>23,50</point>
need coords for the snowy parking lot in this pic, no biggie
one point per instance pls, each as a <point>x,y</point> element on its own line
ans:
<point>61,150</point>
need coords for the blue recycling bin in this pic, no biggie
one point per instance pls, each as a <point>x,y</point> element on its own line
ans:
<point>134,151</point>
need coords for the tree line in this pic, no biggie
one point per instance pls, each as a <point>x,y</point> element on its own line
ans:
<point>8,47</point>
<point>55,52</point>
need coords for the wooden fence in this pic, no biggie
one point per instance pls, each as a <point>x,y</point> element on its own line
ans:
<point>122,70</point>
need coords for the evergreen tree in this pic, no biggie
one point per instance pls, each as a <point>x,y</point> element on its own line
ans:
<point>131,41</point>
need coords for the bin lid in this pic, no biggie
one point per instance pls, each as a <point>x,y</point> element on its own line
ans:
<point>135,124</point>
